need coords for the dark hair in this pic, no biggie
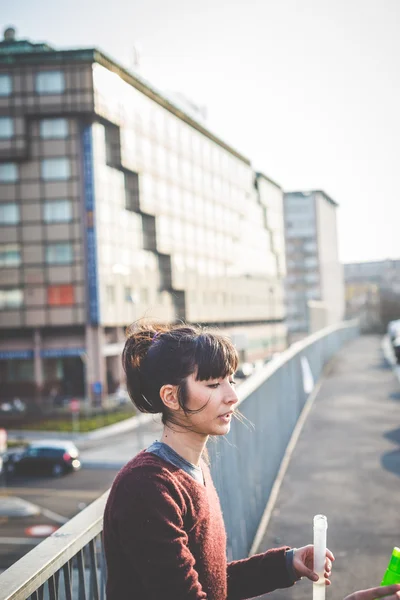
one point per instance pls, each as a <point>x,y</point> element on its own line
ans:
<point>155,355</point>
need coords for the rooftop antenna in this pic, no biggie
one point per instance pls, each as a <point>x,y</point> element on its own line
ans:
<point>137,54</point>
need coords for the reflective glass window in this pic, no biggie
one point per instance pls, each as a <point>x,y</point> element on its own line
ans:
<point>12,298</point>
<point>59,253</point>
<point>50,82</point>
<point>55,168</point>
<point>8,172</point>
<point>311,277</point>
<point>9,213</point>
<point>310,246</point>
<point>10,255</point>
<point>196,146</point>
<point>5,85</point>
<point>59,211</point>
<point>311,261</point>
<point>6,128</point>
<point>173,165</point>
<point>20,370</point>
<point>185,140</point>
<point>110,294</point>
<point>53,128</point>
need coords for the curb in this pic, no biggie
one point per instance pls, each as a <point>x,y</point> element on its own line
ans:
<point>121,427</point>
<point>102,465</point>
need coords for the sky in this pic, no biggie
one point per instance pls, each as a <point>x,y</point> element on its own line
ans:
<point>308,90</point>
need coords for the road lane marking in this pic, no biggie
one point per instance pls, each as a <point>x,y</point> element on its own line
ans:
<point>16,541</point>
<point>53,516</point>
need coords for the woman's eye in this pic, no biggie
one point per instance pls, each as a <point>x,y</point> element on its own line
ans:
<point>213,386</point>
<point>232,382</point>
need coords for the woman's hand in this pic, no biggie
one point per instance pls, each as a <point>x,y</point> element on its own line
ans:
<point>391,591</point>
<point>303,561</point>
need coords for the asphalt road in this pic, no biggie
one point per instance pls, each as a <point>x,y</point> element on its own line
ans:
<point>59,500</point>
<point>346,465</point>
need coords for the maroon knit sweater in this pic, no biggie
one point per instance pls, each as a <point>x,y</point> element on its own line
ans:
<point>165,540</point>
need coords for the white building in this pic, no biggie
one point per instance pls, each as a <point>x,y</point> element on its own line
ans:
<point>314,283</point>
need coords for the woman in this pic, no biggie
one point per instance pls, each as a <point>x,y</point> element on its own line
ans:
<point>163,529</point>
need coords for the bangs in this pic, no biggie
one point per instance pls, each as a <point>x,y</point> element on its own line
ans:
<point>215,357</point>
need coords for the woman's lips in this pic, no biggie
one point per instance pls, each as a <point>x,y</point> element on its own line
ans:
<point>226,417</point>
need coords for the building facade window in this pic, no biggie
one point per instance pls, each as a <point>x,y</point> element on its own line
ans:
<point>310,246</point>
<point>8,172</point>
<point>53,129</point>
<point>20,370</point>
<point>60,295</point>
<point>55,168</point>
<point>50,82</point>
<point>12,298</point>
<point>57,211</point>
<point>313,293</point>
<point>310,261</point>
<point>5,85</point>
<point>10,255</point>
<point>132,201</point>
<point>311,277</point>
<point>6,128</point>
<point>144,295</point>
<point>9,213</point>
<point>59,253</point>
<point>110,294</point>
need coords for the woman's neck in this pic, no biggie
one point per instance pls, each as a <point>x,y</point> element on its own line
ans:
<point>188,444</point>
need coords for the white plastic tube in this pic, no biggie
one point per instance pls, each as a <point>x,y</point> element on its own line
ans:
<point>320,527</point>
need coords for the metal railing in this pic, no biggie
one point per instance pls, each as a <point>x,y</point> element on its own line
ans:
<point>70,563</point>
<point>245,464</point>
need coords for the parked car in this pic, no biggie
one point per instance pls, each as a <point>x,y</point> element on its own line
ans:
<point>15,406</point>
<point>396,349</point>
<point>393,329</point>
<point>244,370</point>
<point>51,457</point>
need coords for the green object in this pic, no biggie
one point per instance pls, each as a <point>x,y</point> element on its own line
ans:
<point>392,574</point>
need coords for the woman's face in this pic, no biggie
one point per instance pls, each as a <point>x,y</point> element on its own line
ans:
<point>217,400</point>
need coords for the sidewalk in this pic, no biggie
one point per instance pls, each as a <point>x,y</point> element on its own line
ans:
<point>346,465</point>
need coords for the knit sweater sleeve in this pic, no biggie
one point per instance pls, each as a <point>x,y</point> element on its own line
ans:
<point>150,527</point>
<point>258,574</point>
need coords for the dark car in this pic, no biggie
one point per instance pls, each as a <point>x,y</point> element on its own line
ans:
<point>48,457</point>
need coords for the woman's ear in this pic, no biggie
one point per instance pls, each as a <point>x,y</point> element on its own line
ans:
<point>169,396</point>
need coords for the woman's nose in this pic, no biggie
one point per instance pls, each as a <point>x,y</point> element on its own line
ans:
<point>231,396</point>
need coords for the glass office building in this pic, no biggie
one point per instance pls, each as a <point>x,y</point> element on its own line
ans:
<point>117,204</point>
